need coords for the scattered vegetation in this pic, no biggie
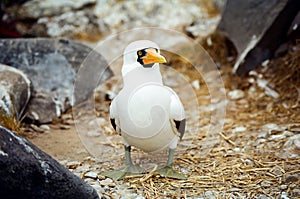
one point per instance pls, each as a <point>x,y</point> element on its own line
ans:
<point>10,122</point>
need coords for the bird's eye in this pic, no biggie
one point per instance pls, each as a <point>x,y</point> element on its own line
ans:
<point>139,52</point>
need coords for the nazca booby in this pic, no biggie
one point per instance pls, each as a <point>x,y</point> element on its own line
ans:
<point>147,114</point>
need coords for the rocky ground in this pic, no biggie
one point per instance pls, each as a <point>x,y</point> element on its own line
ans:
<point>256,155</point>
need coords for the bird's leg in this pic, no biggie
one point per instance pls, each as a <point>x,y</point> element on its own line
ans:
<point>168,171</point>
<point>128,161</point>
<point>170,157</point>
<point>129,169</point>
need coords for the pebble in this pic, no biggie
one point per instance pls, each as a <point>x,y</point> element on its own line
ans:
<point>107,182</point>
<point>96,122</point>
<point>93,133</point>
<point>294,127</point>
<point>249,162</point>
<point>236,94</point>
<point>64,127</point>
<point>284,195</point>
<point>277,170</point>
<point>293,141</point>
<point>277,137</point>
<point>91,174</point>
<point>262,83</point>
<point>210,195</point>
<point>98,188</point>
<point>283,187</point>
<point>73,164</point>
<point>83,168</point>
<point>292,177</point>
<point>271,126</point>
<point>45,127</point>
<point>239,129</point>
<point>262,196</point>
<point>133,196</point>
<point>36,128</point>
<point>266,183</point>
<point>196,84</point>
<point>272,93</point>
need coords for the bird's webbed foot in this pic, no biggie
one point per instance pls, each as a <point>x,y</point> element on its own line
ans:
<point>128,170</point>
<point>169,172</point>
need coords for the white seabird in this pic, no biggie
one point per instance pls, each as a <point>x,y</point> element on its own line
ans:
<point>147,114</point>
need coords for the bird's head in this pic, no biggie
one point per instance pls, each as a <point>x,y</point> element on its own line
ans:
<point>142,53</point>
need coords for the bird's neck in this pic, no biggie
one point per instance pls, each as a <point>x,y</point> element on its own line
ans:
<point>138,75</point>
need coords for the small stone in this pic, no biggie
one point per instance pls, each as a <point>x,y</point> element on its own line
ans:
<point>292,177</point>
<point>265,63</point>
<point>78,174</point>
<point>261,140</point>
<point>294,127</point>
<point>132,195</point>
<point>98,188</point>
<point>101,177</point>
<point>89,180</point>
<point>196,84</point>
<point>272,93</point>
<point>64,127</point>
<point>73,164</point>
<point>266,183</point>
<point>236,94</point>
<point>107,182</point>
<point>82,168</point>
<point>239,129</point>
<point>91,174</point>
<point>277,137</point>
<point>45,127</point>
<point>89,158</point>
<point>262,196</point>
<point>69,121</point>
<point>278,171</point>
<point>36,128</point>
<point>293,141</point>
<point>284,195</point>
<point>249,162</point>
<point>97,122</point>
<point>271,126</point>
<point>210,195</point>
<point>262,83</point>
<point>283,187</point>
<point>93,133</point>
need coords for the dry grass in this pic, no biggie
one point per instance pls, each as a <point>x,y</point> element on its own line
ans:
<point>245,164</point>
<point>10,122</point>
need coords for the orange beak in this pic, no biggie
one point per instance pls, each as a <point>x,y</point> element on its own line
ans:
<point>153,57</point>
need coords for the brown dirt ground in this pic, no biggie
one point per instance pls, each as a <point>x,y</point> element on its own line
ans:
<point>249,162</point>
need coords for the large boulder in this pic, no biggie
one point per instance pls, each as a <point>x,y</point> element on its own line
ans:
<point>52,65</point>
<point>28,172</point>
<point>14,91</point>
<point>257,28</point>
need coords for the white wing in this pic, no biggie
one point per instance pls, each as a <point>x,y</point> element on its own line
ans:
<point>177,115</point>
<point>113,114</point>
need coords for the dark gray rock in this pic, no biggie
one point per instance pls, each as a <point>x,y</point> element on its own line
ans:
<point>14,91</point>
<point>42,108</point>
<point>52,66</point>
<point>257,28</point>
<point>28,172</point>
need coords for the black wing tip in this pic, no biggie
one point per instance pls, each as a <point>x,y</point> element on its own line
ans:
<point>113,123</point>
<point>180,126</point>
